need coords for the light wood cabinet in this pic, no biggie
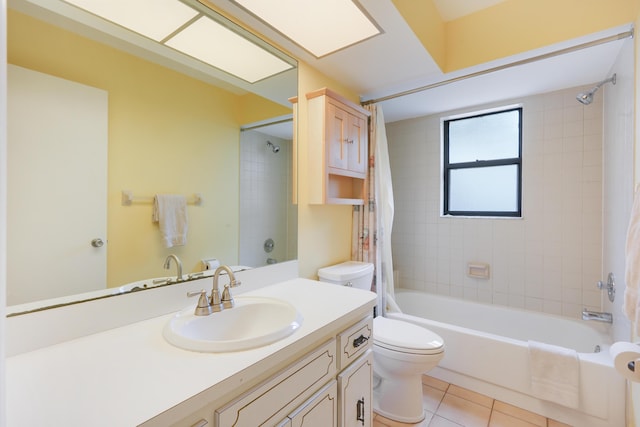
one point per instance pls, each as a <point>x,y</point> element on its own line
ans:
<point>338,139</point>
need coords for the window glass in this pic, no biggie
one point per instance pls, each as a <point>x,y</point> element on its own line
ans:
<point>489,137</point>
<point>484,189</point>
<point>482,164</point>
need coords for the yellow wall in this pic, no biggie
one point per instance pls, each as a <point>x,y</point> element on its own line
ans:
<point>511,27</point>
<point>324,231</point>
<point>168,133</point>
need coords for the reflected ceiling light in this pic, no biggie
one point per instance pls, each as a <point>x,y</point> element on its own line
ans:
<point>216,42</point>
<point>319,26</point>
<point>217,45</point>
<point>155,19</point>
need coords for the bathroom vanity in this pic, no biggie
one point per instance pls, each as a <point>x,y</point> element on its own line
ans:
<point>318,376</point>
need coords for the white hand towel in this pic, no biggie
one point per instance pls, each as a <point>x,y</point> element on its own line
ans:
<point>170,212</point>
<point>632,270</point>
<point>555,373</point>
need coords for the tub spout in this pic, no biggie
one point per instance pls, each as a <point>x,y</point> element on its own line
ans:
<point>597,315</point>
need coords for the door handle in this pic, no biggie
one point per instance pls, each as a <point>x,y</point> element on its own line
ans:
<point>97,242</point>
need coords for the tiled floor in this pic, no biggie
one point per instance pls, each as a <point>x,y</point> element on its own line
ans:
<point>448,405</point>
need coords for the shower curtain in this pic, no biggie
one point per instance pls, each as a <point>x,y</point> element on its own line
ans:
<point>372,223</point>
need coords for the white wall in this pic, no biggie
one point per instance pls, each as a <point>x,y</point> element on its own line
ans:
<point>551,259</point>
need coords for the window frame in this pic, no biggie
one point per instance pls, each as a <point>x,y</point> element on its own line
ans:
<point>447,167</point>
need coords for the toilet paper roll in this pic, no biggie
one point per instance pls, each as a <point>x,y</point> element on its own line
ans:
<point>210,264</point>
<point>626,359</point>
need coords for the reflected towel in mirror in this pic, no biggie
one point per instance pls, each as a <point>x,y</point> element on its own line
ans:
<point>170,212</point>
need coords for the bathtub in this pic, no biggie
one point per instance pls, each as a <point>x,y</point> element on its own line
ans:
<point>486,351</point>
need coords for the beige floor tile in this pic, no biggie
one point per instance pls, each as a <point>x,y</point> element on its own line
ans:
<point>442,422</point>
<point>431,397</point>
<point>474,397</point>
<point>435,383</point>
<point>554,423</point>
<point>499,419</point>
<point>505,408</point>
<point>382,421</point>
<point>464,412</point>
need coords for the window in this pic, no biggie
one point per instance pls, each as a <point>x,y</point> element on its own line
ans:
<point>482,164</point>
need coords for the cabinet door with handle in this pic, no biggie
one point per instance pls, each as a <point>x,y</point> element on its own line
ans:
<point>355,393</point>
<point>337,137</point>
<point>357,140</point>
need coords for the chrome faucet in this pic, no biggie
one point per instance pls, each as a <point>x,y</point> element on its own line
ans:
<point>226,300</point>
<point>597,315</point>
<point>167,265</point>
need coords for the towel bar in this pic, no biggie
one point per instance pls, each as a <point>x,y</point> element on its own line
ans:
<point>128,199</point>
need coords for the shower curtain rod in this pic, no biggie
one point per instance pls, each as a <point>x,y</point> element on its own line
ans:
<point>616,37</point>
<point>265,124</point>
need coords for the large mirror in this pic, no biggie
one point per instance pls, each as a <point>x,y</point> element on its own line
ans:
<point>147,120</point>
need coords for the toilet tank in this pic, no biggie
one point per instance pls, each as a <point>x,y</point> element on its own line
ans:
<point>350,273</point>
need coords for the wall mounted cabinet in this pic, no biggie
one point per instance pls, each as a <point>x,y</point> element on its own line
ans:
<point>338,138</point>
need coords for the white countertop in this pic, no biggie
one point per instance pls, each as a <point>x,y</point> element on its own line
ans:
<point>128,375</point>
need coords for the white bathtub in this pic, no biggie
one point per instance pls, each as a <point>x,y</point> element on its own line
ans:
<point>486,351</point>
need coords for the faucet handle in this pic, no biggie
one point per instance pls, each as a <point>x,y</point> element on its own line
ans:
<point>227,299</point>
<point>203,308</point>
<point>216,305</point>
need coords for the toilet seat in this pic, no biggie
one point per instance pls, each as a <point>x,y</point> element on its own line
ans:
<point>404,337</point>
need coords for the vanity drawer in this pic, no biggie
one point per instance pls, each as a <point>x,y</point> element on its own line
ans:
<point>275,398</point>
<point>354,341</point>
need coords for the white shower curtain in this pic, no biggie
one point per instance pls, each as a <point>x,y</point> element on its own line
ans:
<point>372,225</point>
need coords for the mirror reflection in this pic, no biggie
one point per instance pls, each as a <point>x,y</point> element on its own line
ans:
<point>91,117</point>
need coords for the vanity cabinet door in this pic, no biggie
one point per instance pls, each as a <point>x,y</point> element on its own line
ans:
<point>355,393</point>
<point>276,397</point>
<point>319,411</point>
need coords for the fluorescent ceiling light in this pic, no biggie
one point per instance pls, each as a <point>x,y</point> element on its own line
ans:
<point>216,45</point>
<point>155,19</point>
<point>319,26</point>
<point>185,29</point>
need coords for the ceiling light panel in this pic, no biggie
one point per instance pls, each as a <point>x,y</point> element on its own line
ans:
<point>155,19</point>
<point>216,45</point>
<point>319,26</point>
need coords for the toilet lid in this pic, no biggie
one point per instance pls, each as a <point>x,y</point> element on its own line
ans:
<point>405,337</point>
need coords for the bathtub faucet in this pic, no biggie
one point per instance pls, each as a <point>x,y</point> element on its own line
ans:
<point>597,315</point>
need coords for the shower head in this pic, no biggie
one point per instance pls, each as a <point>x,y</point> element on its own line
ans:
<point>274,148</point>
<point>586,98</point>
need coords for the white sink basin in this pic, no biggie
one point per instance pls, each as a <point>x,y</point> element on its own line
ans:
<point>253,322</point>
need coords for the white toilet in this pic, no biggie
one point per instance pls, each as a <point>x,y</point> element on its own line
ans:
<point>402,351</point>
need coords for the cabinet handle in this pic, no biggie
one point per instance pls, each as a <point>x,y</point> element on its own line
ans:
<point>348,141</point>
<point>200,423</point>
<point>359,341</point>
<point>360,411</point>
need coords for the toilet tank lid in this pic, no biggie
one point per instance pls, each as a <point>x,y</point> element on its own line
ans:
<point>345,271</point>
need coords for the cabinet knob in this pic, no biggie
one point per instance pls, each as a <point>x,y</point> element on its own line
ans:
<point>348,141</point>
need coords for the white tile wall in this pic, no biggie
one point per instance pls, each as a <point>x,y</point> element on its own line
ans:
<point>550,259</point>
<point>265,188</point>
